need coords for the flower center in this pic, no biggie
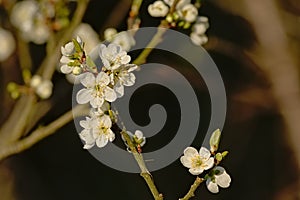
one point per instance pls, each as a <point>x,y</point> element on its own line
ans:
<point>196,161</point>
<point>99,90</point>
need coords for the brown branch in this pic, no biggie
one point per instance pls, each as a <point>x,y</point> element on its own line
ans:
<point>40,133</point>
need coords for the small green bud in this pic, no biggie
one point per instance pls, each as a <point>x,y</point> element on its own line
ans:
<point>11,87</point>
<point>180,24</point>
<point>186,25</point>
<point>224,154</point>
<point>219,157</point>
<point>175,16</point>
<point>169,18</point>
<point>15,94</point>
<point>215,140</point>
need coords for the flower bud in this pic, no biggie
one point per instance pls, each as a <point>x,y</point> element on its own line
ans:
<point>215,140</point>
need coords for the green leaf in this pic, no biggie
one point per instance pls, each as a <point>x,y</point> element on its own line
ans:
<point>90,63</point>
<point>77,46</point>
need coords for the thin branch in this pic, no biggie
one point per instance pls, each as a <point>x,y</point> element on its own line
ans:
<point>40,133</point>
<point>194,186</point>
<point>157,38</point>
<point>144,171</point>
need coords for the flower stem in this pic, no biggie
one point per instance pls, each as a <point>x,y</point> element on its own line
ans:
<point>144,171</point>
<point>157,38</point>
<point>191,192</point>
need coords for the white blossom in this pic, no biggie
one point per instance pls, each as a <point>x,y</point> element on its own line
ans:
<point>67,59</point>
<point>96,91</point>
<point>139,137</point>
<point>123,76</point>
<point>109,33</point>
<point>101,130</point>
<point>196,161</point>
<point>158,9</point>
<point>113,56</point>
<point>44,90</point>
<point>124,39</point>
<point>86,134</point>
<point>180,3</point>
<point>23,13</point>
<point>8,44</point>
<point>29,18</point>
<point>198,39</point>
<point>35,81</point>
<point>189,13</point>
<point>220,178</point>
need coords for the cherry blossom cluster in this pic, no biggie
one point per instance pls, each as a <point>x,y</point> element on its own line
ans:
<point>100,89</point>
<point>36,19</point>
<point>185,16</point>
<point>205,159</point>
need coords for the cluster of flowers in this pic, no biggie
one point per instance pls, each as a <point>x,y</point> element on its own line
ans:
<point>100,88</point>
<point>36,19</point>
<point>198,162</point>
<point>185,15</point>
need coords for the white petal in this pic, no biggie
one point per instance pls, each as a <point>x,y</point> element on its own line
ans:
<point>96,102</point>
<point>190,152</point>
<point>88,146</point>
<point>85,123</point>
<point>125,59</point>
<point>223,180</point>
<point>66,69</point>
<point>211,186</point>
<point>103,78</point>
<point>130,80</point>
<point>65,59</point>
<point>110,94</point>
<point>101,141</point>
<point>196,171</point>
<point>111,135</point>
<point>83,96</point>
<point>199,28</point>
<point>109,33</point>
<point>186,161</point>
<point>139,134</point>
<point>204,153</point>
<point>106,121</point>
<point>119,89</point>
<point>209,163</point>
<point>88,80</point>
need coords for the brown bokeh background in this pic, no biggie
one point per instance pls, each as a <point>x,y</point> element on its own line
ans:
<point>255,45</point>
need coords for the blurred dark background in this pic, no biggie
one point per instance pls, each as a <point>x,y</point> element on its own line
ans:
<point>260,161</point>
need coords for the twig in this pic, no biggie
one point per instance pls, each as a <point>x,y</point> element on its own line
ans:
<point>191,192</point>
<point>40,133</point>
<point>144,171</point>
<point>133,20</point>
<point>157,38</point>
